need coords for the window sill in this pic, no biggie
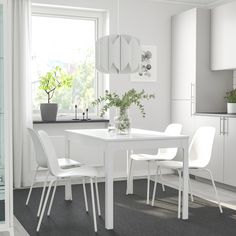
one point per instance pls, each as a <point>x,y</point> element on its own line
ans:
<point>71,121</point>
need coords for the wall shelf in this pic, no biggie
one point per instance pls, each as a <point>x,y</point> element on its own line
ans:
<point>71,121</point>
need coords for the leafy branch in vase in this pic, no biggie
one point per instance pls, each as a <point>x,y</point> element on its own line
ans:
<point>131,97</point>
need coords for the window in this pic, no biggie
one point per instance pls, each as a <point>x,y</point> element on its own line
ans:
<point>66,38</point>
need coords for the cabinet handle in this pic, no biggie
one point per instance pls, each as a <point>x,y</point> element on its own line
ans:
<point>226,120</point>
<point>220,126</point>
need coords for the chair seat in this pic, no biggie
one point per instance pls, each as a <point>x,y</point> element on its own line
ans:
<point>83,171</point>
<point>149,157</point>
<point>65,163</point>
<point>143,157</point>
<point>178,164</point>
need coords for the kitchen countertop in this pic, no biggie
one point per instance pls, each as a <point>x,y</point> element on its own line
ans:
<point>233,115</point>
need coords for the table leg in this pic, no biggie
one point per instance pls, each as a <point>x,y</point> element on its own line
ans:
<point>68,191</point>
<point>185,183</point>
<point>129,188</point>
<point>67,148</point>
<point>109,204</point>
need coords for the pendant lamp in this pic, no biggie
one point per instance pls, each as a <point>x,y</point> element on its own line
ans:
<point>118,53</point>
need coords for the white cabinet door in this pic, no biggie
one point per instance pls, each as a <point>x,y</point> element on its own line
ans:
<point>230,153</point>
<point>183,54</point>
<point>181,113</point>
<point>223,34</point>
<point>217,159</point>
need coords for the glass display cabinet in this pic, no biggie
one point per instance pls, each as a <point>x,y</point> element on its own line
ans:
<point>6,209</point>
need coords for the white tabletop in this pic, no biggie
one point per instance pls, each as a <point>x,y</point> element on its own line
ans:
<point>135,134</point>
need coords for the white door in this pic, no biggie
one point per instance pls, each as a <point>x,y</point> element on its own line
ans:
<point>217,158</point>
<point>230,153</point>
<point>184,53</point>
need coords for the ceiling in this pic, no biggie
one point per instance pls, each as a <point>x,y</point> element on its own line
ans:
<point>199,3</point>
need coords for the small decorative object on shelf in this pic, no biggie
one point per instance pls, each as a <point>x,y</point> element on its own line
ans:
<point>87,114</point>
<point>75,112</point>
<point>230,98</point>
<point>123,103</point>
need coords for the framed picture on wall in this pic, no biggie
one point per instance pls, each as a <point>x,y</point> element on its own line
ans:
<point>148,65</point>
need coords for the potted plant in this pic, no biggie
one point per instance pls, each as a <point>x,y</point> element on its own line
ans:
<point>123,103</point>
<point>230,98</point>
<point>52,80</point>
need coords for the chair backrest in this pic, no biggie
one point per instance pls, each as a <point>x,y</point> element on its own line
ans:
<point>200,148</point>
<point>40,155</point>
<point>51,155</point>
<point>170,153</point>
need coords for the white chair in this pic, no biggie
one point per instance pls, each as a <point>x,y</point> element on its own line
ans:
<point>162,154</point>
<point>59,173</point>
<point>42,163</point>
<point>200,151</point>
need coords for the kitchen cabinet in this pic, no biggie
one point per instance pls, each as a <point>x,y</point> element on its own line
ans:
<point>183,54</point>
<point>196,89</point>
<point>230,152</point>
<point>223,159</point>
<point>223,37</point>
<point>192,78</point>
<point>181,111</point>
<point>217,158</point>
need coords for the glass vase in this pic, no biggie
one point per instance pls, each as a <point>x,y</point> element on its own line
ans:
<point>122,121</point>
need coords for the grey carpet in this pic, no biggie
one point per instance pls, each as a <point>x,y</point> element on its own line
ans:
<point>132,216</point>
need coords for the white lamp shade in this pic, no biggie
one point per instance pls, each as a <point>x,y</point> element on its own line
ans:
<point>118,54</point>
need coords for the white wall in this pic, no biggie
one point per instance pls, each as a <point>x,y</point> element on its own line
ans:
<point>151,23</point>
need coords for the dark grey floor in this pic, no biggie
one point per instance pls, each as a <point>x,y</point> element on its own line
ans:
<point>132,216</point>
<point>2,210</point>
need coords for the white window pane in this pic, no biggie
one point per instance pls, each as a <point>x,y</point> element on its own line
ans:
<point>70,44</point>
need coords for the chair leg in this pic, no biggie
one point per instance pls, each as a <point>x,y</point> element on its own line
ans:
<point>148,182</point>
<point>42,195</point>
<point>190,190</point>
<point>85,195</point>
<point>155,187</point>
<point>52,198</point>
<point>163,186</point>
<point>97,196</point>
<point>44,205</point>
<point>31,187</point>
<point>179,198</point>
<point>129,176</point>
<point>93,205</point>
<point>216,192</point>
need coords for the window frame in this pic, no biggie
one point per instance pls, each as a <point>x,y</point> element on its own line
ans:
<point>75,13</point>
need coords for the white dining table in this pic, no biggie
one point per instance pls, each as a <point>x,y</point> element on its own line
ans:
<point>109,143</point>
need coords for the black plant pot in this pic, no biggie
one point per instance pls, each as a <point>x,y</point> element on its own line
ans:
<point>48,111</point>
